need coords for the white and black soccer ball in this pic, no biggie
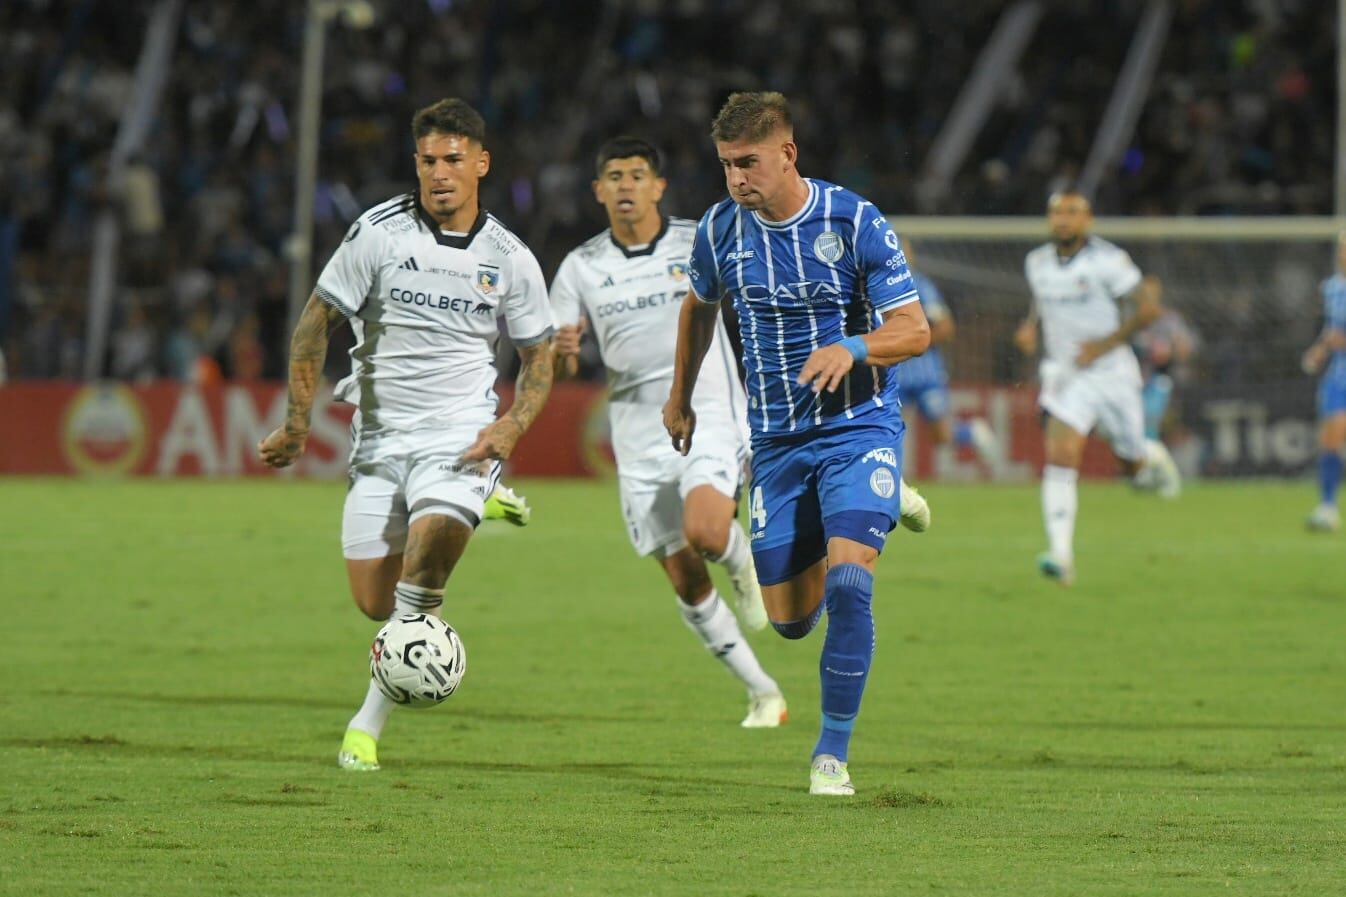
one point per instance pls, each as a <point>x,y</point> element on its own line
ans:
<point>417,660</point>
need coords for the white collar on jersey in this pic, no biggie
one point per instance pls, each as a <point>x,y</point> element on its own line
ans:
<point>797,216</point>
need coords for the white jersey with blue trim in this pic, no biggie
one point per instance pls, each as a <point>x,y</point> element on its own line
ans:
<point>925,371</point>
<point>1334,318</point>
<point>828,272</point>
<point>424,305</point>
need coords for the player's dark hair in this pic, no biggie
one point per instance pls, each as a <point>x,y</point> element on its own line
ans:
<point>628,147</point>
<point>752,116</point>
<point>449,116</point>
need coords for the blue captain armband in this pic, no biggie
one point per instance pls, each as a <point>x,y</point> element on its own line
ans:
<point>856,346</point>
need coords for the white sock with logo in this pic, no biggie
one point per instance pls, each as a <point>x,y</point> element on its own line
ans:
<point>1060,499</point>
<point>717,627</point>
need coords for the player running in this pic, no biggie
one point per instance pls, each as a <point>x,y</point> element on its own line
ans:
<point>422,279</point>
<point>923,381</point>
<point>1330,350</point>
<point>1089,375</point>
<point>629,282</point>
<point>826,306</point>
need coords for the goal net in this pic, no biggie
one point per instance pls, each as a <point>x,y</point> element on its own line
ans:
<point>1247,289</point>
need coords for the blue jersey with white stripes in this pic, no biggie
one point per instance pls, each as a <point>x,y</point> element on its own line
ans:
<point>925,371</point>
<point>828,272</point>
<point>1334,313</point>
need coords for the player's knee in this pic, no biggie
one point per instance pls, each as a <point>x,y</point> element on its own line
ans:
<point>707,537</point>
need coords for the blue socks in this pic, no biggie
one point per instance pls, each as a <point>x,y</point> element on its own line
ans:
<point>1329,476</point>
<point>962,433</point>
<point>847,651</point>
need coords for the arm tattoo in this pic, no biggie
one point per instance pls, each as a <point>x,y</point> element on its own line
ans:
<point>534,384</point>
<point>308,351</point>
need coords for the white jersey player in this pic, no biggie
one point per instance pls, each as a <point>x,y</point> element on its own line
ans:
<point>628,283</point>
<point>422,278</point>
<point>1089,374</point>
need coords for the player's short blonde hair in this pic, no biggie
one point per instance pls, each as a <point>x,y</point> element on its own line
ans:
<point>752,116</point>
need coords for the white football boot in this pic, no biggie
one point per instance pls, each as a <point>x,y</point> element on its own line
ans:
<point>766,712</point>
<point>1324,519</point>
<point>828,775</point>
<point>914,510</point>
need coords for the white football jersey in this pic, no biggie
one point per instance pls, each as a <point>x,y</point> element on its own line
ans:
<point>1076,299</point>
<point>424,304</point>
<point>632,296</point>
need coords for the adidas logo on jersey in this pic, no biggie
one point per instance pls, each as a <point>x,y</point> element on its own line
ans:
<point>410,265</point>
<point>607,282</point>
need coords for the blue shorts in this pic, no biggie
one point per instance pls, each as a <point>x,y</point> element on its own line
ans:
<point>932,399</point>
<point>814,486</point>
<point>1332,391</point>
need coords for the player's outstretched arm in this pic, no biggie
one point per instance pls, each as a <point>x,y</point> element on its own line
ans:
<point>308,351</point>
<point>1146,298</point>
<point>696,329</point>
<point>905,333</point>
<point>497,441</point>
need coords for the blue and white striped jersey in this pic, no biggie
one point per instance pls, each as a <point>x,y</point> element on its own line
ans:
<point>925,371</point>
<point>826,273</point>
<point>1334,314</point>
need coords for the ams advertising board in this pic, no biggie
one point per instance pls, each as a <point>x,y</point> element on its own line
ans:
<point>167,430</point>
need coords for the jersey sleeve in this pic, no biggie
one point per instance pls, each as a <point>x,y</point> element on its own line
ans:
<point>566,306</point>
<point>349,275</point>
<point>882,263</point>
<point>702,268</point>
<point>527,313</point>
<point>1120,274</point>
<point>1334,304</point>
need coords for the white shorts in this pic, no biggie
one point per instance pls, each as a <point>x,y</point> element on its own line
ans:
<point>1107,398</point>
<point>397,478</point>
<point>654,487</point>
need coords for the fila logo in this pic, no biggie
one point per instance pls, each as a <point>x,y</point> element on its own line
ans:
<point>607,282</point>
<point>410,265</point>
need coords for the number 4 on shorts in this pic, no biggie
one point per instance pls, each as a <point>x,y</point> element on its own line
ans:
<point>757,509</point>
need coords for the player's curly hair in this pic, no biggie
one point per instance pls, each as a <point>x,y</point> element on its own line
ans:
<point>449,116</point>
<point>752,116</point>
<point>627,147</point>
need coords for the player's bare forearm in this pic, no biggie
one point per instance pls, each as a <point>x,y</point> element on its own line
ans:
<point>1332,339</point>
<point>308,351</point>
<point>905,333</point>
<point>1147,310</point>
<point>533,385</point>
<point>696,329</point>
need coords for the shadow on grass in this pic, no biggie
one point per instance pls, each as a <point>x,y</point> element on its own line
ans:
<point>309,703</point>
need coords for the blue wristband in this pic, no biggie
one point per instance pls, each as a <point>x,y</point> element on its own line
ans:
<point>856,346</point>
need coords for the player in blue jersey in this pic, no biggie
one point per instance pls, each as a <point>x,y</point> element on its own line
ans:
<point>923,381</point>
<point>1328,354</point>
<point>826,306</point>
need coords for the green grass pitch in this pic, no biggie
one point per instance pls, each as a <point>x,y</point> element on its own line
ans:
<point>181,658</point>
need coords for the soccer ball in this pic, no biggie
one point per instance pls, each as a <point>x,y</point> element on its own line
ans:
<point>417,660</point>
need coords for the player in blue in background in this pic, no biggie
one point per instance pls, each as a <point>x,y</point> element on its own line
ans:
<point>923,382</point>
<point>1330,350</point>
<point>826,306</point>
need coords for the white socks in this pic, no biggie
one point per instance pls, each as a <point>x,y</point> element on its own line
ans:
<point>717,627</point>
<point>737,555</point>
<point>1060,499</point>
<point>408,599</point>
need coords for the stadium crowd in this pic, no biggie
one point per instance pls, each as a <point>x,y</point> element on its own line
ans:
<point>1233,124</point>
